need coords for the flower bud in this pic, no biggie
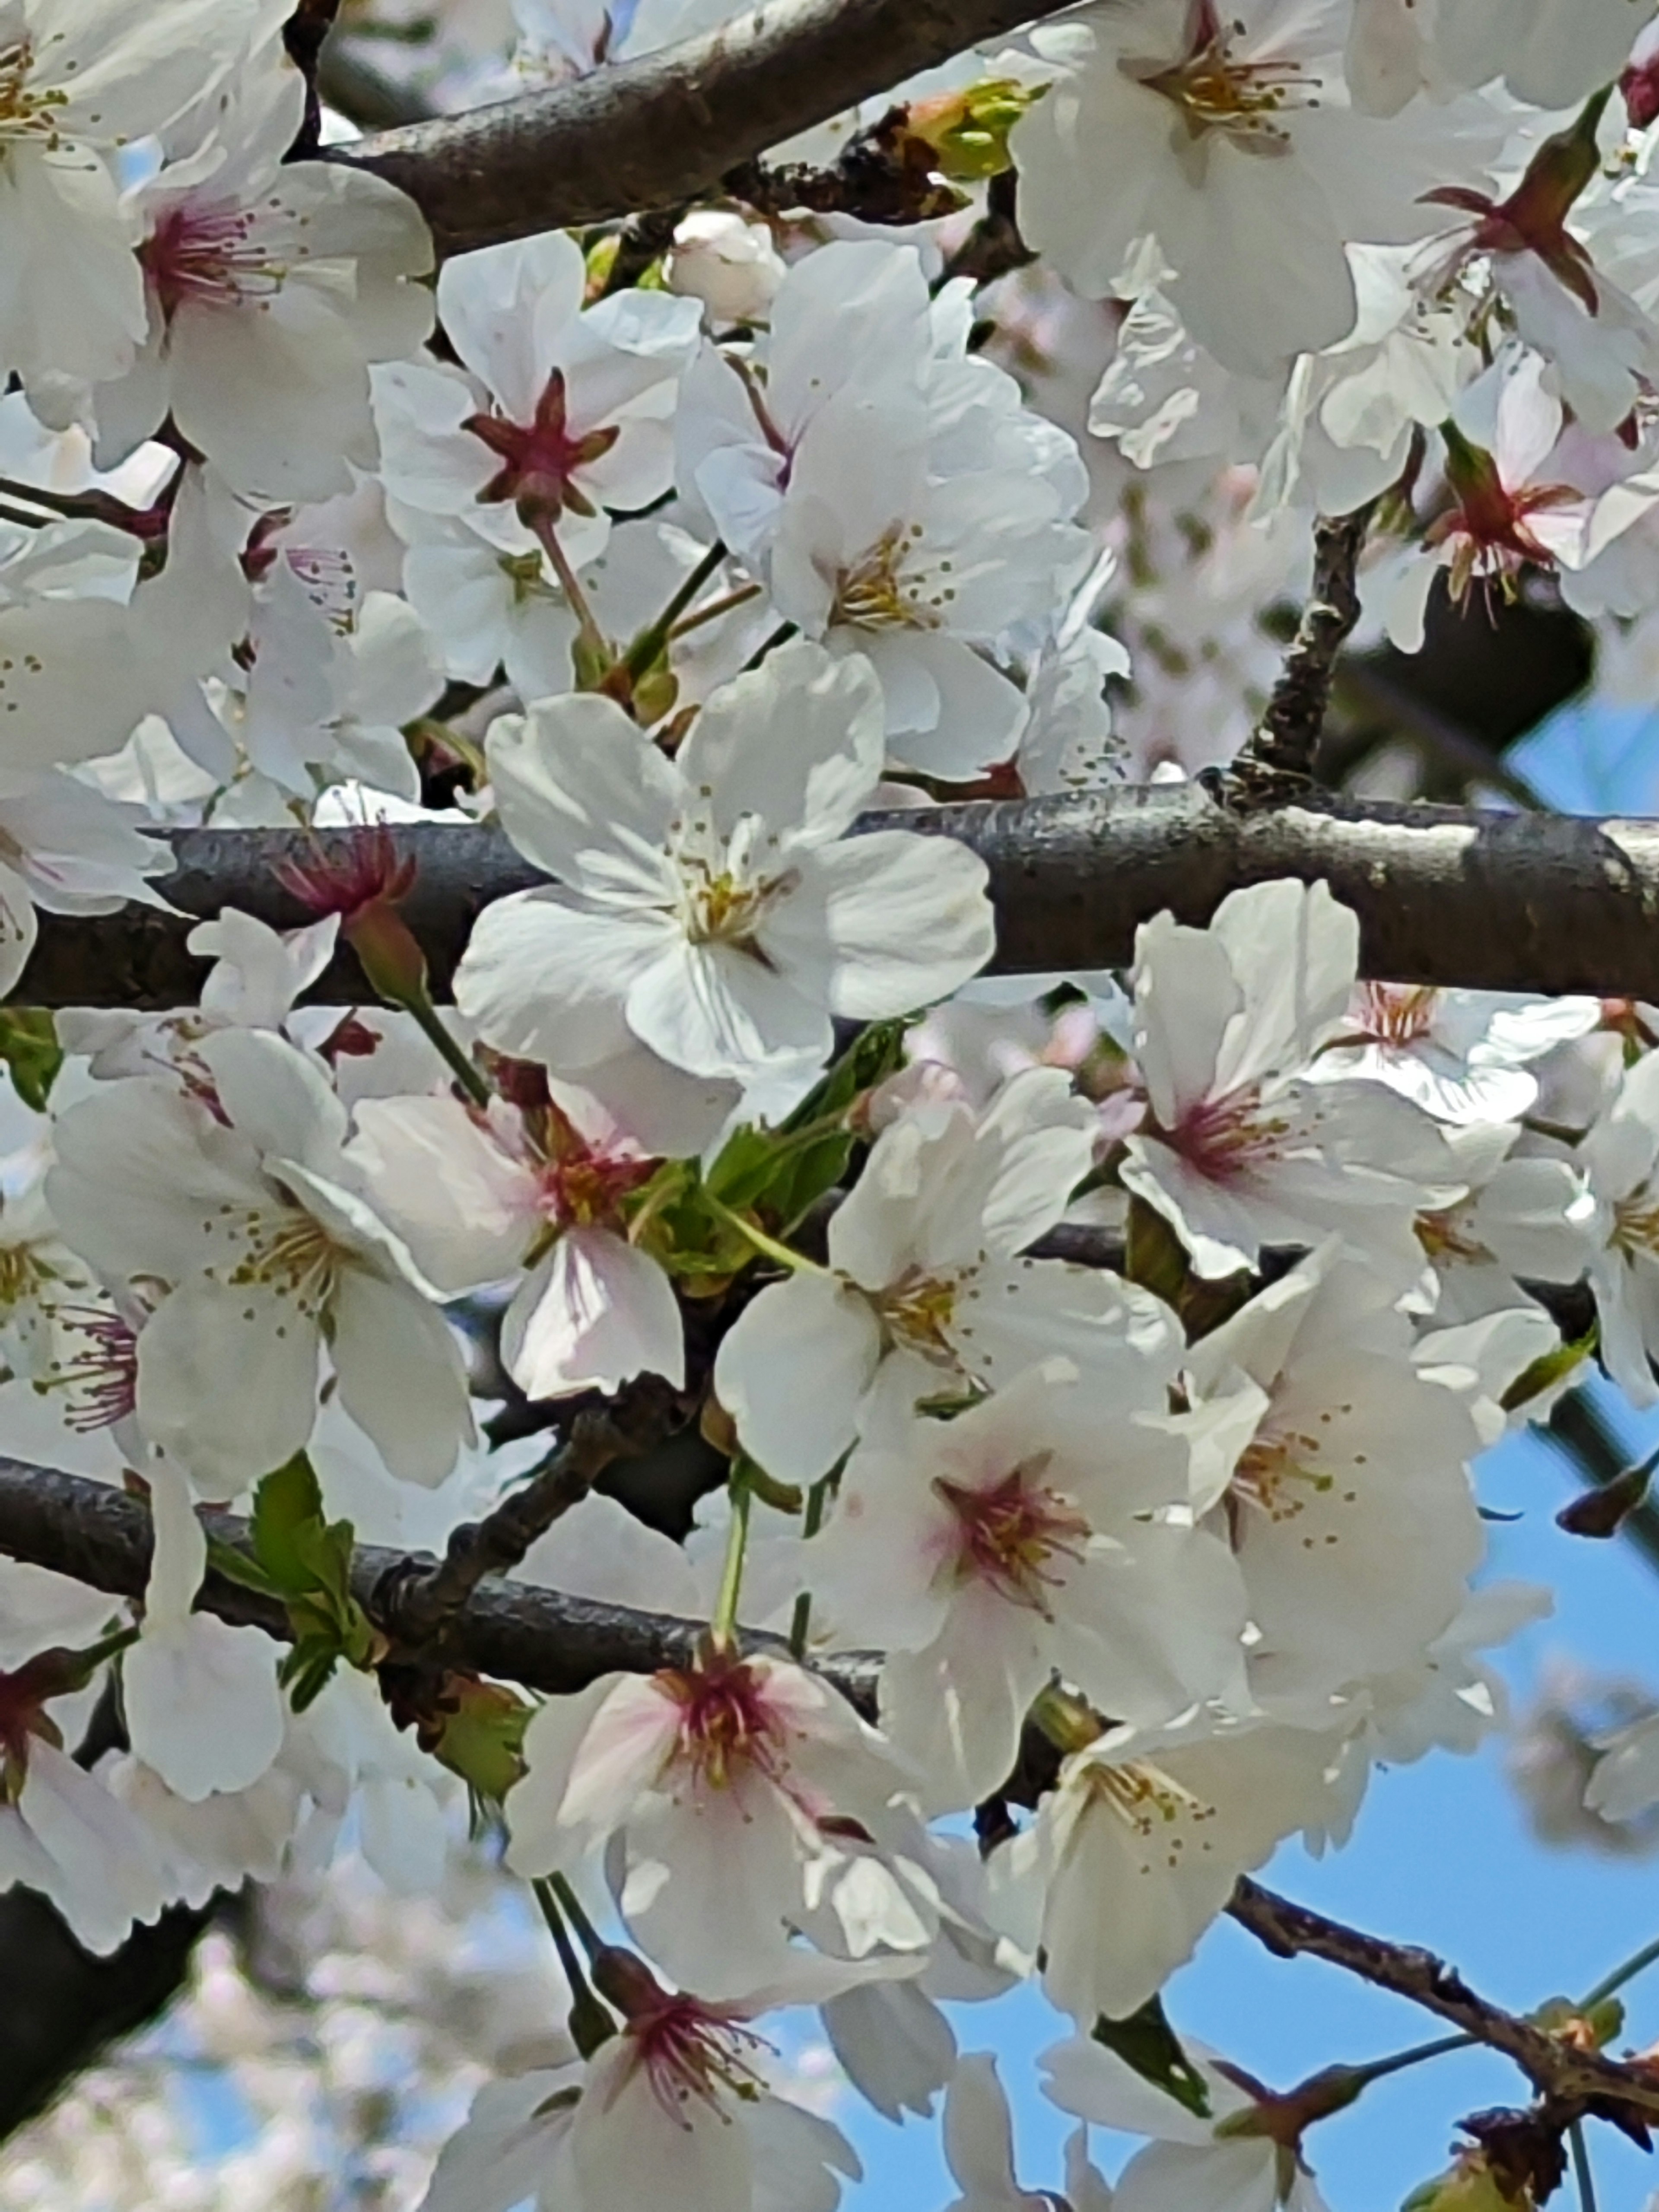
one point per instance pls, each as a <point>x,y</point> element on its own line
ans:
<point>729,264</point>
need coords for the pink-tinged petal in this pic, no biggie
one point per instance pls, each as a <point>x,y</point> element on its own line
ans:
<point>594,1313</point>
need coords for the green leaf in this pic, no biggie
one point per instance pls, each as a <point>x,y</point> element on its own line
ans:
<point>1147,2043</point>
<point>1544,1374</point>
<point>29,1047</point>
<point>240,1567</point>
<point>286,1504</point>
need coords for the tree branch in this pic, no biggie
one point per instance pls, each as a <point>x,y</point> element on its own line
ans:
<point>420,1603</point>
<point>1555,2068</point>
<point>1445,895</point>
<point>518,1632</point>
<point>652,132</point>
<point>1277,759</point>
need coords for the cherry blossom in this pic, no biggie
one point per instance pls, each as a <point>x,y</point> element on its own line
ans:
<point>714,911</point>
<point>926,1293</point>
<point>238,1203</point>
<point>1003,1545</point>
<point>1241,1146</point>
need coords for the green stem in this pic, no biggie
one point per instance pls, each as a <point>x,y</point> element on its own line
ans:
<point>652,639</point>
<point>1380,2068</point>
<point>724,606</point>
<point>590,2024</point>
<point>1581,2168</point>
<point>570,584</point>
<point>593,1941</point>
<point>801,1619</point>
<point>781,636</point>
<point>723,1627</point>
<point>1637,1963</point>
<point>464,1070</point>
<point>797,1263</point>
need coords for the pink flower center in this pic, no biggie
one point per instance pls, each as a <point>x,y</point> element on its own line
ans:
<point>695,2053</point>
<point>1012,1536</point>
<point>540,459</point>
<point>1215,90</point>
<point>578,1184</point>
<point>727,1725</point>
<point>1395,1013</point>
<point>1227,1140</point>
<point>101,1381</point>
<point>209,257</point>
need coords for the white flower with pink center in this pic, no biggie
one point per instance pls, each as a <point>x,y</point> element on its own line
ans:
<point>1241,1146</point>
<point>481,1196</point>
<point>1464,1056</point>
<point>739,1796</point>
<point>673,2108</point>
<point>927,1290</point>
<point>270,287</point>
<point>1038,1534</point>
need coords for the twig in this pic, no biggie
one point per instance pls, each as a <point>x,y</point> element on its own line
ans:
<point>1557,2069</point>
<point>1277,761</point>
<point>418,1606</point>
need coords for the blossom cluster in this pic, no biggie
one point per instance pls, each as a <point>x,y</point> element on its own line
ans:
<point>1110,1354</point>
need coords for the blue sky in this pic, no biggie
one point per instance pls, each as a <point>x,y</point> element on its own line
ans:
<point>1442,1853</point>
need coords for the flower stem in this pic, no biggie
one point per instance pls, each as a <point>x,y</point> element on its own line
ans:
<point>801,1619</point>
<point>590,2024</point>
<point>464,1070</point>
<point>715,608</point>
<point>1380,2068</point>
<point>1637,1963</point>
<point>723,1628</point>
<point>797,1263</point>
<point>1581,2168</point>
<point>781,636</point>
<point>652,638</point>
<point>570,584</point>
<point>593,1941</point>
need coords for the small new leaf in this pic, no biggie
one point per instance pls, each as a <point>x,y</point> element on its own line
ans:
<point>1146,2042</point>
<point>29,1047</point>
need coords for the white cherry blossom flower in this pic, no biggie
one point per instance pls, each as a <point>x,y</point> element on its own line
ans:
<point>240,1206</point>
<point>1621,1156</point>
<point>1349,1508</point>
<point>1217,152</point>
<point>710,913</point>
<point>478,1196</point>
<point>1240,1147</point>
<point>62,1832</point>
<point>673,2108</point>
<point>1019,1540</point>
<point>926,1293</point>
<point>555,416</point>
<point>202,1708</point>
<point>1137,1848</point>
<point>1463,1056</point>
<point>739,1796</point>
<point>79,85</point>
<point>895,496</point>
<point>270,287</point>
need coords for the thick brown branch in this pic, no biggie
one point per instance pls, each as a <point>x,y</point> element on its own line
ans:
<point>1555,2067</point>
<point>1445,895</point>
<point>652,132</point>
<point>517,1632</point>
<point>1278,759</point>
